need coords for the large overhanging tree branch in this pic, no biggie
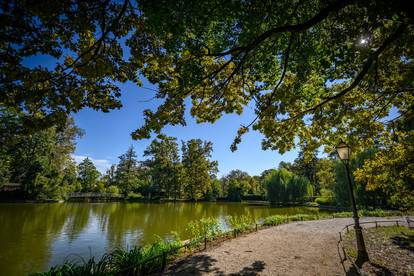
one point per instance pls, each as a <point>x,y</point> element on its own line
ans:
<point>278,55</point>
<point>83,58</point>
<point>319,17</point>
<point>361,74</point>
<point>289,82</point>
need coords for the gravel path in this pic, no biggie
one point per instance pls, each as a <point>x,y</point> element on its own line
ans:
<point>298,248</point>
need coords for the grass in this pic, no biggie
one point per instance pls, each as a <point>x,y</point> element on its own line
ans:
<point>137,261</point>
<point>373,213</point>
<point>277,219</point>
<point>390,248</point>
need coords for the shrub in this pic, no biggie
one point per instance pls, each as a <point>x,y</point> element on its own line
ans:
<point>144,260</point>
<point>299,217</point>
<point>134,196</point>
<point>327,197</point>
<point>274,220</point>
<point>112,189</point>
<point>205,227</point>
<point>342,214</point>
<point>324,201</point>
<point>99,187</point>
<point>371,213</point>
<point>277,219</point>
<point>240,223</point>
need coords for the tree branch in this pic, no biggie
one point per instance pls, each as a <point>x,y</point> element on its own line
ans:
<point>319,17</point>
<point>365,68</point>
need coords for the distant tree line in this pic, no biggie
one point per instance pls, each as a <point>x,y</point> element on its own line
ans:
<point>41,162</point>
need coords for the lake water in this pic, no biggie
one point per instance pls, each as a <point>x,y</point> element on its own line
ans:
<point>35,236</point>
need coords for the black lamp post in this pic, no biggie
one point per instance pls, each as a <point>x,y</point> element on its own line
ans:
<point>344,153</point>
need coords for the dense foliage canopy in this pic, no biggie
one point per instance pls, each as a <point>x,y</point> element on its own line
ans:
<point>315,70</point>
<point>40,162</point>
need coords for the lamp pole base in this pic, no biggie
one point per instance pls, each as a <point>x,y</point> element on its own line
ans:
<point>362,255</point>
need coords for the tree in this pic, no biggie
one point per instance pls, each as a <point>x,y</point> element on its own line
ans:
<point>325,173</point>
<point>87,174</point>
<point>5,169</point>
<point>285,165</point>
<point>109,177</point>
<point>285,187</point>
<point>276,184</point>
<point>41,162</point>
<point>391,170</point>
<point>236,184</point>
<point>317,71</point>
<point>198,169</point>
<point>127,174</point>
<point>306,166</point>
<point>164,166</point>
<point>82,44</point>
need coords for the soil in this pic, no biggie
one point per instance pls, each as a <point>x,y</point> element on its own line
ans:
<point>297,248</point>
<point>391,250</point>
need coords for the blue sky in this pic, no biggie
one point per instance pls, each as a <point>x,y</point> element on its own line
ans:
<point>107,135</point>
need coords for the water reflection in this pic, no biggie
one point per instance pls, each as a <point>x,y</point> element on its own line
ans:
<point>35,236</point>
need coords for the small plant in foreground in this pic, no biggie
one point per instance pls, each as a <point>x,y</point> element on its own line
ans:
<point>274,220</point>
<point>240,223</point>
<point>203,228</point>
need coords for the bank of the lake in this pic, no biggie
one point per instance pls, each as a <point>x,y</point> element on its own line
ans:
<point>36,236</point>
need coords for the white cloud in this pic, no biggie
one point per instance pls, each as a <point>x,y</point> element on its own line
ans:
<point>101,164</point>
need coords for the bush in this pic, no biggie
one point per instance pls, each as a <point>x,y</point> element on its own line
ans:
<point>327,198</point>
<point>134,196</point>
<point>144,260</point>
<point>372,213</point>
<point>275,220</point>
<point>299,217</point>
<point>324,201</point>
<point>99,187</point>
<point>113,190</point>
<point>240,223</point>
<point>205,227</point>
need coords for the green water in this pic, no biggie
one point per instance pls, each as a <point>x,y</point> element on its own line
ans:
<point>36,236</point>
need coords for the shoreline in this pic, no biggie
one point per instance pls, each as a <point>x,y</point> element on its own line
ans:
<point>293,248</point>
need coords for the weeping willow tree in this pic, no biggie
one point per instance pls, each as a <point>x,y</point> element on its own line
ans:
<point>286,187</point>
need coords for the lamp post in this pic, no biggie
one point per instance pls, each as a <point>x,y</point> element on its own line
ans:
<point>344,153</point>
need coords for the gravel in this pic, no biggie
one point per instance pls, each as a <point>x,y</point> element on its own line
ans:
<point>297,248</point>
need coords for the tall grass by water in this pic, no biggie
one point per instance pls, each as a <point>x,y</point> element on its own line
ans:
<point>136,261</point>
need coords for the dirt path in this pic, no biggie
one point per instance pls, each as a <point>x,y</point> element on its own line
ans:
<point>298,248</point>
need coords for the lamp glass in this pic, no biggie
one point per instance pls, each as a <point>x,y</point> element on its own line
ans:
<point>344,151</point>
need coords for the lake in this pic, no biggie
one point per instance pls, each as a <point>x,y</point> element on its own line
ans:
<point>35,236</point>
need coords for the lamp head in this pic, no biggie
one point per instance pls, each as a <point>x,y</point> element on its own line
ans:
<point>344,151</point>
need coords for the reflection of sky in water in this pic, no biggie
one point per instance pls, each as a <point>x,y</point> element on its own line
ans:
<point>91,241</point>
<point>36,236</point>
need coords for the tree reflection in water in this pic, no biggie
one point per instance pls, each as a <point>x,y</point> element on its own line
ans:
<point>35,236</point>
